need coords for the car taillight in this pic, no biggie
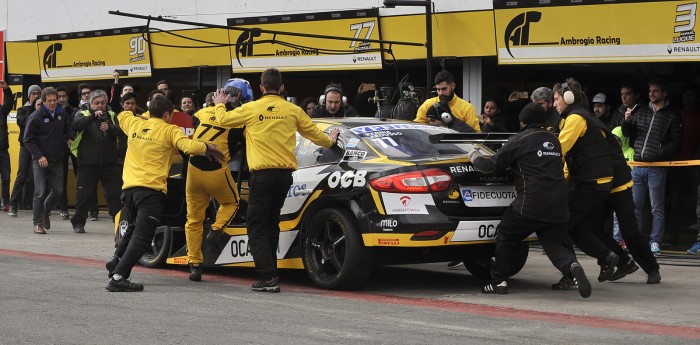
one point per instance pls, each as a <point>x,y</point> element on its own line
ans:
<point>423,181</point>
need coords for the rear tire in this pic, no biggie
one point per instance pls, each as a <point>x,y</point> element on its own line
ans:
<point>159,250</point>
<point>480,266</point>
<point>333,252</point>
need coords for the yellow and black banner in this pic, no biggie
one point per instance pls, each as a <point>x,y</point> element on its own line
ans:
<point>93,55</point>
<point>255,51</point>
<point>455,34</point>
<point>595,31</point>
<point>15,84</point>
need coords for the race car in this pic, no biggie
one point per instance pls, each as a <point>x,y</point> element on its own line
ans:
<point>385,195</point>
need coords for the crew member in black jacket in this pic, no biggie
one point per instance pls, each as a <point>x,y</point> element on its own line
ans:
<point>541,206</point>
<point>590,171</point>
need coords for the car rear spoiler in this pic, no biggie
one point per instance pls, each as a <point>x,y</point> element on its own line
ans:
<point>477,138</point>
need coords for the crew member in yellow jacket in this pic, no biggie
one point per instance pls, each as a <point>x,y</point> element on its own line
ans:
<point>150,147</point>
<point>271,125</point>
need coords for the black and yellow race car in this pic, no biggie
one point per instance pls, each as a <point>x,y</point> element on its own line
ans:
<point>385,195</point>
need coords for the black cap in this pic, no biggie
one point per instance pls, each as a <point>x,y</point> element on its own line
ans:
<point>533,113</point>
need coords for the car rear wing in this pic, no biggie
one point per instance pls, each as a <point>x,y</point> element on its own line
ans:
<point>470,138</point>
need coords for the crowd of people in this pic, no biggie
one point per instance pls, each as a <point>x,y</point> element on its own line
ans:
<point>584,194</point>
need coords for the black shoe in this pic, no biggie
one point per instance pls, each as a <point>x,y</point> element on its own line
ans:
<point>12,212</point>
<point>584,286</point>
<point>621,271</point>
<point>565,283</point>
<point>270,285</point>
<point>111,265</point>
<point>654,277</point>
<point>79,230</point>
<point>94,217</point>
<point>493,288</point>
<point>123,285</point>
<point>65,215</point>
<point>607,270</point>
<point>195,273</point>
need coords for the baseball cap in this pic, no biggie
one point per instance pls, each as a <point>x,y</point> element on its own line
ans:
<point>599,98</point>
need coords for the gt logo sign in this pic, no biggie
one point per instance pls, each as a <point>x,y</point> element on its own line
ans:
<point>347,179</point>
<point>488,231</point>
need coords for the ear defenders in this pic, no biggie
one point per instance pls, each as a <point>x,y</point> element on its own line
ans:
<point>331,88</point>
<point>445,116</point>
<point>567,94</point>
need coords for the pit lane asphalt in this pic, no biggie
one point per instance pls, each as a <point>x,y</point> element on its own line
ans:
<point>52,292</point>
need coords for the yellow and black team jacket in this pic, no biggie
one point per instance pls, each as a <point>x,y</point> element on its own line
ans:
<point>460,108</point>
<point>271,123</point>
<point>209,130</point>
<point>585,149</point>
<point>150,150</point>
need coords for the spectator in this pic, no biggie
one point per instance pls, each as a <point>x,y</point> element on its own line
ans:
<point>46,133</point>
<point>308,104</point>
<point>96,148</point>
<point>601,109</point>
<point>63,99</point>
<point>24,171</point>
<point>445,85</point>
<point>493,120</point>
<point>117,92</point>
<point>84,94</point>
<point>333,104</point>
<point>657,130</point>
<point>7,106</point>
<point>187,105</point>
<point>164,87</point>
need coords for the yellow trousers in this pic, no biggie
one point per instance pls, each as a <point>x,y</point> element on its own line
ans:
<point>201,186</point>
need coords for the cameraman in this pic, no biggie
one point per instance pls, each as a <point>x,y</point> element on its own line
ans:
<point>96,148</point>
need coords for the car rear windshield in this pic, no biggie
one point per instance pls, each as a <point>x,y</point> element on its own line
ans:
<point>408,140</point>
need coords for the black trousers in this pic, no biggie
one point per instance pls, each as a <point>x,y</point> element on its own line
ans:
<point>584,201</point>
<point>25,177</point>
<point>515,227</point>
<point>144,208</point>
<point>637,243</point>
<point>86,190</point>
<point>63,202</point>
<point>268,190</point>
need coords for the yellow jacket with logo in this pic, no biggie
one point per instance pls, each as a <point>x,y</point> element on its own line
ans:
<point>460,108</point>
<point>150,150</point>
<point>271,123</point>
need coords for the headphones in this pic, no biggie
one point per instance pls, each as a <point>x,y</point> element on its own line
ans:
<point>567,94</point>
<point>445,116</point>
<point>330,88</point>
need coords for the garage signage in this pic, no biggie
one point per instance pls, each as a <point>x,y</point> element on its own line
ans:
<point>603,31</point>
<point>255,51</point>
<point>94,55</point>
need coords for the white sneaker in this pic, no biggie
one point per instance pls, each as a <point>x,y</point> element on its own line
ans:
<point>655,249</point>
